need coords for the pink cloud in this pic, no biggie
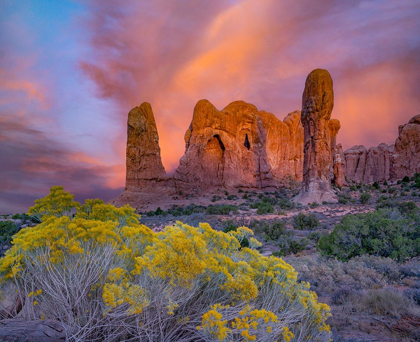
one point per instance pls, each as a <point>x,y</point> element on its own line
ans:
<point>259,52</point>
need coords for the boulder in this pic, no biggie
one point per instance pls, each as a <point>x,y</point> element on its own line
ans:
<point>317,105</point>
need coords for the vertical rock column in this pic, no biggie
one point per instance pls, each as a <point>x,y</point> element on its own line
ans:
<point>339,167</point>
<point>143,160</point>
<point>317,105</point>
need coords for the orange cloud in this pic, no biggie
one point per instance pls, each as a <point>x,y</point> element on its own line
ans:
<point>260,52</point>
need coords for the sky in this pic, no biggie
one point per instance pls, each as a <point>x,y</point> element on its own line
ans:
<point>70,71</point>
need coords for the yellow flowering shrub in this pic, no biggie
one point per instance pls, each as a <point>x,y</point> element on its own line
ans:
<point>57,203</point>
<point>106,276</point>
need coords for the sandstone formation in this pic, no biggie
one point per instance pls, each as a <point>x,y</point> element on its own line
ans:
<point>143,160</point>
<point>333,127</point>
<point>378,164</point>
<point>368,166</point>
<point>384,162</point>
<point>406,156</point>
<point>339,167</point>
<point>317,105</point>
<point>240,146</point>
<point>243,147</point>
<point>355,163</point>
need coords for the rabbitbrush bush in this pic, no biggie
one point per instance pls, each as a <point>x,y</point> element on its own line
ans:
<point>106,277</point>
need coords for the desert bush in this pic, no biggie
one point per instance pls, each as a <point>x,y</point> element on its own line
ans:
<point>288,245</point>
<point>413,294</point>
<point>305,222</point>
<point>387,302</point>
<point>230,226</point>
<point>344,295</point>
<point>365,197</point>
<point>285,203</point>
<point>386,232</point>
<point>57,203</point>
<point>221,209</point>
<point>265,208</point>
<point>259,226</point>
<point>343,198</point>
<point>376,185</point>
<point>360,273</point>
<point>7,230</point>
<point>271,231</point>
<point>106,277</point>
<point>314,236</point>
<point>406,208</point>
<point>275,230</point>
<point>262,207</point>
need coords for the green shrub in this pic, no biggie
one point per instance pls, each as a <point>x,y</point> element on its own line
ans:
<point>417,180</point>
<point>290,246</point>
<point>406,179</point>
<point>386,233</point>
<point>275,230</point>
<point>314,236</point>
<point>230,226</point>
<point>265,208</point>
<point>7,230</point>
<point>343,199</point>
<point>365,197</point>
<point>305,222</point>
<point>216,198</point>
<point>376,185</point>
<point>406,208</point>
<point>285,203</point>
<point>221,209</point>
